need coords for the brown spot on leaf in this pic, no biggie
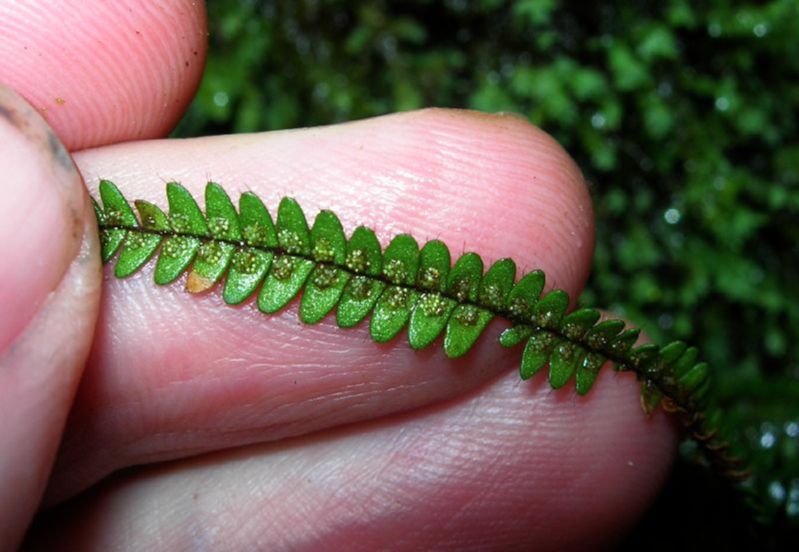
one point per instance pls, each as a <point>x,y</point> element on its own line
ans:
<point>198,284</point>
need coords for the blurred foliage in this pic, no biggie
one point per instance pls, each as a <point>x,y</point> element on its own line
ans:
<point>682,114</point>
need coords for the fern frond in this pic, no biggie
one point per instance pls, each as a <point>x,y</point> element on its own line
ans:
<point>403,286</point>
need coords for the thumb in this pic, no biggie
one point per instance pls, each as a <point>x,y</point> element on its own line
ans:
<point>49,293</point>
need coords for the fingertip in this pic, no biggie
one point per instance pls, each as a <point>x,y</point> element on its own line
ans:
<point>49,290</point>
<point>526,195</point>
<point>104,72</point>
<point>40,222</point>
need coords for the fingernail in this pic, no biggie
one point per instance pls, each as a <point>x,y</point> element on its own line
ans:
<point>41,228</point>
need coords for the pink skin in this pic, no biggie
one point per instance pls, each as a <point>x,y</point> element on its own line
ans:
<point>336,436</point>
<point>89,65</point>
<point>508,466</point>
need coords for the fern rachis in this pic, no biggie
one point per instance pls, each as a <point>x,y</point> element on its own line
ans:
<point>248,253</point>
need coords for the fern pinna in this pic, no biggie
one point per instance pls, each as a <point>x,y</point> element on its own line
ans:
<point>405,285</point>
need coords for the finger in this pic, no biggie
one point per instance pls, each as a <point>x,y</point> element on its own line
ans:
<point>510,467</point>
<point>49,292</point>
<point>104,72</point>
<point>173,374</point>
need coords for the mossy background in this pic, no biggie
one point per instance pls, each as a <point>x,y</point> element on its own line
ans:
<point>683,115</point>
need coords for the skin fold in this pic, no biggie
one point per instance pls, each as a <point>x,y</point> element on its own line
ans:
<point>224,428</point>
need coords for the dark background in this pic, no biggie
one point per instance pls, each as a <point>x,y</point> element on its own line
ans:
<point>683,116</point>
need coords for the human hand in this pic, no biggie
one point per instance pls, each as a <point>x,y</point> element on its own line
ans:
<point>280,436</point>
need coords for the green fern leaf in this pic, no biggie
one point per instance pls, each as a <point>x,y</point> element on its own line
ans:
<point>393,309</point>
<point>497,284</point>
<point>435,261</point>
<point>184,213</point>
<point>467,320</point>
<point>622,343</point>
<point>291,269</point>
<point>223,221</point>
<point>254,257</point>
<point>326,282</point>
<point>188,223</point>
<point>284,281</point>
<point>587,371</point>
<point>515,335</point>
<point>433,309</point>
<point>401,286</point>
<point>214,256</point>
<point>177,253</point>
<point>292,228</point>
<point>650,397</point>
<point>137,249</point>
<point>524,295</point>
<point>577,323</point>
<point>647,358</point>
<point>519,305</point>
<point>98,212</point>
<point>117,218</point>
<point>537,353</point>
<point>695,377</point>
<point>671,352</point>
<point>152,217</point>
<point>550,309</point>
<point>465,325</point>
<point>686,361</point>
<point>365,261</point>
<point>600,336</point>
<point>563,363</point>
